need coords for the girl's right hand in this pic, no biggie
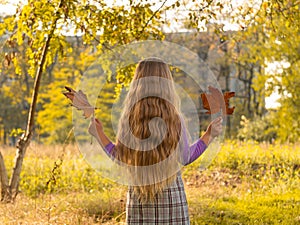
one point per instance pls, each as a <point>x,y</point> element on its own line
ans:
<point>215,128</point>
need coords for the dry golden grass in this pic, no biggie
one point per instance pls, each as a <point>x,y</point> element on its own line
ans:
<point>52,209</point>
<point>246,184</point>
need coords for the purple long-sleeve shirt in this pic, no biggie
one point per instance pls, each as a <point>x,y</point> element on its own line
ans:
<point>189,153</point>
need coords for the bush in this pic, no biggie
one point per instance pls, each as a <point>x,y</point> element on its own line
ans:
<point>258,129</point>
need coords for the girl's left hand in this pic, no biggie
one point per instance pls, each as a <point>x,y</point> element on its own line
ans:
<point>95,127</point>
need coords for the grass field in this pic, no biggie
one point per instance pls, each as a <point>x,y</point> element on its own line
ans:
<point>247,183</point>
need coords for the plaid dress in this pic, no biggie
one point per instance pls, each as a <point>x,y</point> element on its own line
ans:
<point>169,208</point>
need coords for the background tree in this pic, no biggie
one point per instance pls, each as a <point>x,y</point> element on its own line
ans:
<point>271,41</point>
<point>41,24</point>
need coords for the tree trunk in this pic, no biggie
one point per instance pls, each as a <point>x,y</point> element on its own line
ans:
<point>4,136</point>
<point>5,195</point>
<point>11,190</point>
<point>24,140</point>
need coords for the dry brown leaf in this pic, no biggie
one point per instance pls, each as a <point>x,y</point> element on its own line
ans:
<point>79,101</point>
<point>214,101</point>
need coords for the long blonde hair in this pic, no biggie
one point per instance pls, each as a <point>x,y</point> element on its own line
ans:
<point>150,127</point>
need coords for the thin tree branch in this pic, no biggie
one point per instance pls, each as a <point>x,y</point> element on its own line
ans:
<point>149,20</point>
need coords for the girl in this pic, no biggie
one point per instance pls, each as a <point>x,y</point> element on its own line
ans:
<point>158,198</point>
